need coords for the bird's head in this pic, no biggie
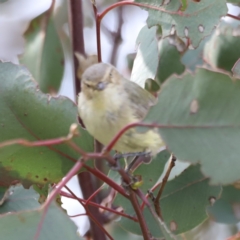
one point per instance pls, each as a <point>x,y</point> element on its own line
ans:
<point>98,77</point>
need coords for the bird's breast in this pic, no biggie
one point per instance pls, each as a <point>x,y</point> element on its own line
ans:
<point>103,118</point>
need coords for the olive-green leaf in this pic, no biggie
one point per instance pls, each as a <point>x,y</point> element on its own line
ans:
<point>191,22</point>
<point>43,54</point>
<point>199,117</point>
<point>27,113</point>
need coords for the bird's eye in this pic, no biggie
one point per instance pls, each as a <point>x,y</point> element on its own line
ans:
<point>110,74</point>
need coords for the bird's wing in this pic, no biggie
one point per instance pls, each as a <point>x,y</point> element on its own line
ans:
<point>140,99</point>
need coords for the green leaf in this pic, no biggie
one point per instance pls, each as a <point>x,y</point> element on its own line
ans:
<point>199,118</point>
<point>152,172</point>
<point>183,203</point>
<point>184,5</point>
<point>146,61</point>
<point>226,209</point>
<point>20,199</point>
<point>194,57</point>
<point>133,227</point>
<point>151,85</point>
<point>27,113</point>
<point>191,23</point>
<point>43,54</point>
<point>223,49</point>
<point>23,225</point>
<point>185,198</point>
<point>169,60</point>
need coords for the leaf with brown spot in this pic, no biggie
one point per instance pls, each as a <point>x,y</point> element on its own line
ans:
<point>47,118</point>
<point>168,14</point>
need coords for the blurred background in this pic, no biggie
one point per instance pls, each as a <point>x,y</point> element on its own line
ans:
<point>15,17</point>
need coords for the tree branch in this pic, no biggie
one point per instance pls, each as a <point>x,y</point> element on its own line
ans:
<point>84,178</point>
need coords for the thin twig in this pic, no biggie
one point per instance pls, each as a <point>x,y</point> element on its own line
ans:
<point>137,209</point>
<point>117,37</point>
<point>92,217</point>
<point>98,33</point>
<point>107,180</point>
<point>234,17</point>
<point>99,206</point>
<point>164,181</point>
<point>142,5</point>
<point>54,193</point>
<point>161,224</point>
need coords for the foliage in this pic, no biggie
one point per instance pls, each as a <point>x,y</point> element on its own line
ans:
<point>191,60</point>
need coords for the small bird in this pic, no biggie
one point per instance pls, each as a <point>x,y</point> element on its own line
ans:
<point>108,102</point>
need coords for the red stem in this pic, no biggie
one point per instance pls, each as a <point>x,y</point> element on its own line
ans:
<point>54,193</point>
<point>107,180</point>
<point>95,234</point>
<point>137,209</point>
<point>98,34</point>
<point>99,206</point>
<point>232,16</point>
<point>123,3</point>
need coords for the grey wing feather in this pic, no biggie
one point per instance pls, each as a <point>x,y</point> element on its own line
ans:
<point>140,99</point>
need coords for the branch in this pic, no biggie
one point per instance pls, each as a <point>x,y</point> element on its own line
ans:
<point>54,193</point>
<point>142,5</point>
<point>137,209</point>
<point>76,25</point>
<point>234,17</point>
<point>94,218</point>
<point>117,38</point>
<point>164,181</point>
<point>84,178</point>
<point>99,206</point>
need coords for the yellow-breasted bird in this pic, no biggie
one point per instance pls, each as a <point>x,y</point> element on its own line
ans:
<point>108,102</point>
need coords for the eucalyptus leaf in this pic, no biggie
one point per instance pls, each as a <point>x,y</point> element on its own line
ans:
<point>183,203</point>
<point>223,49</point>
<point>199,121</point>
<point>189,22</point>
<point>43,53</point>
<point>20,199</point>
<point>29,114</point>
<point>169,60</point>
<point>226,209</point>
<point>146,61</point>
<point>23,225</point>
